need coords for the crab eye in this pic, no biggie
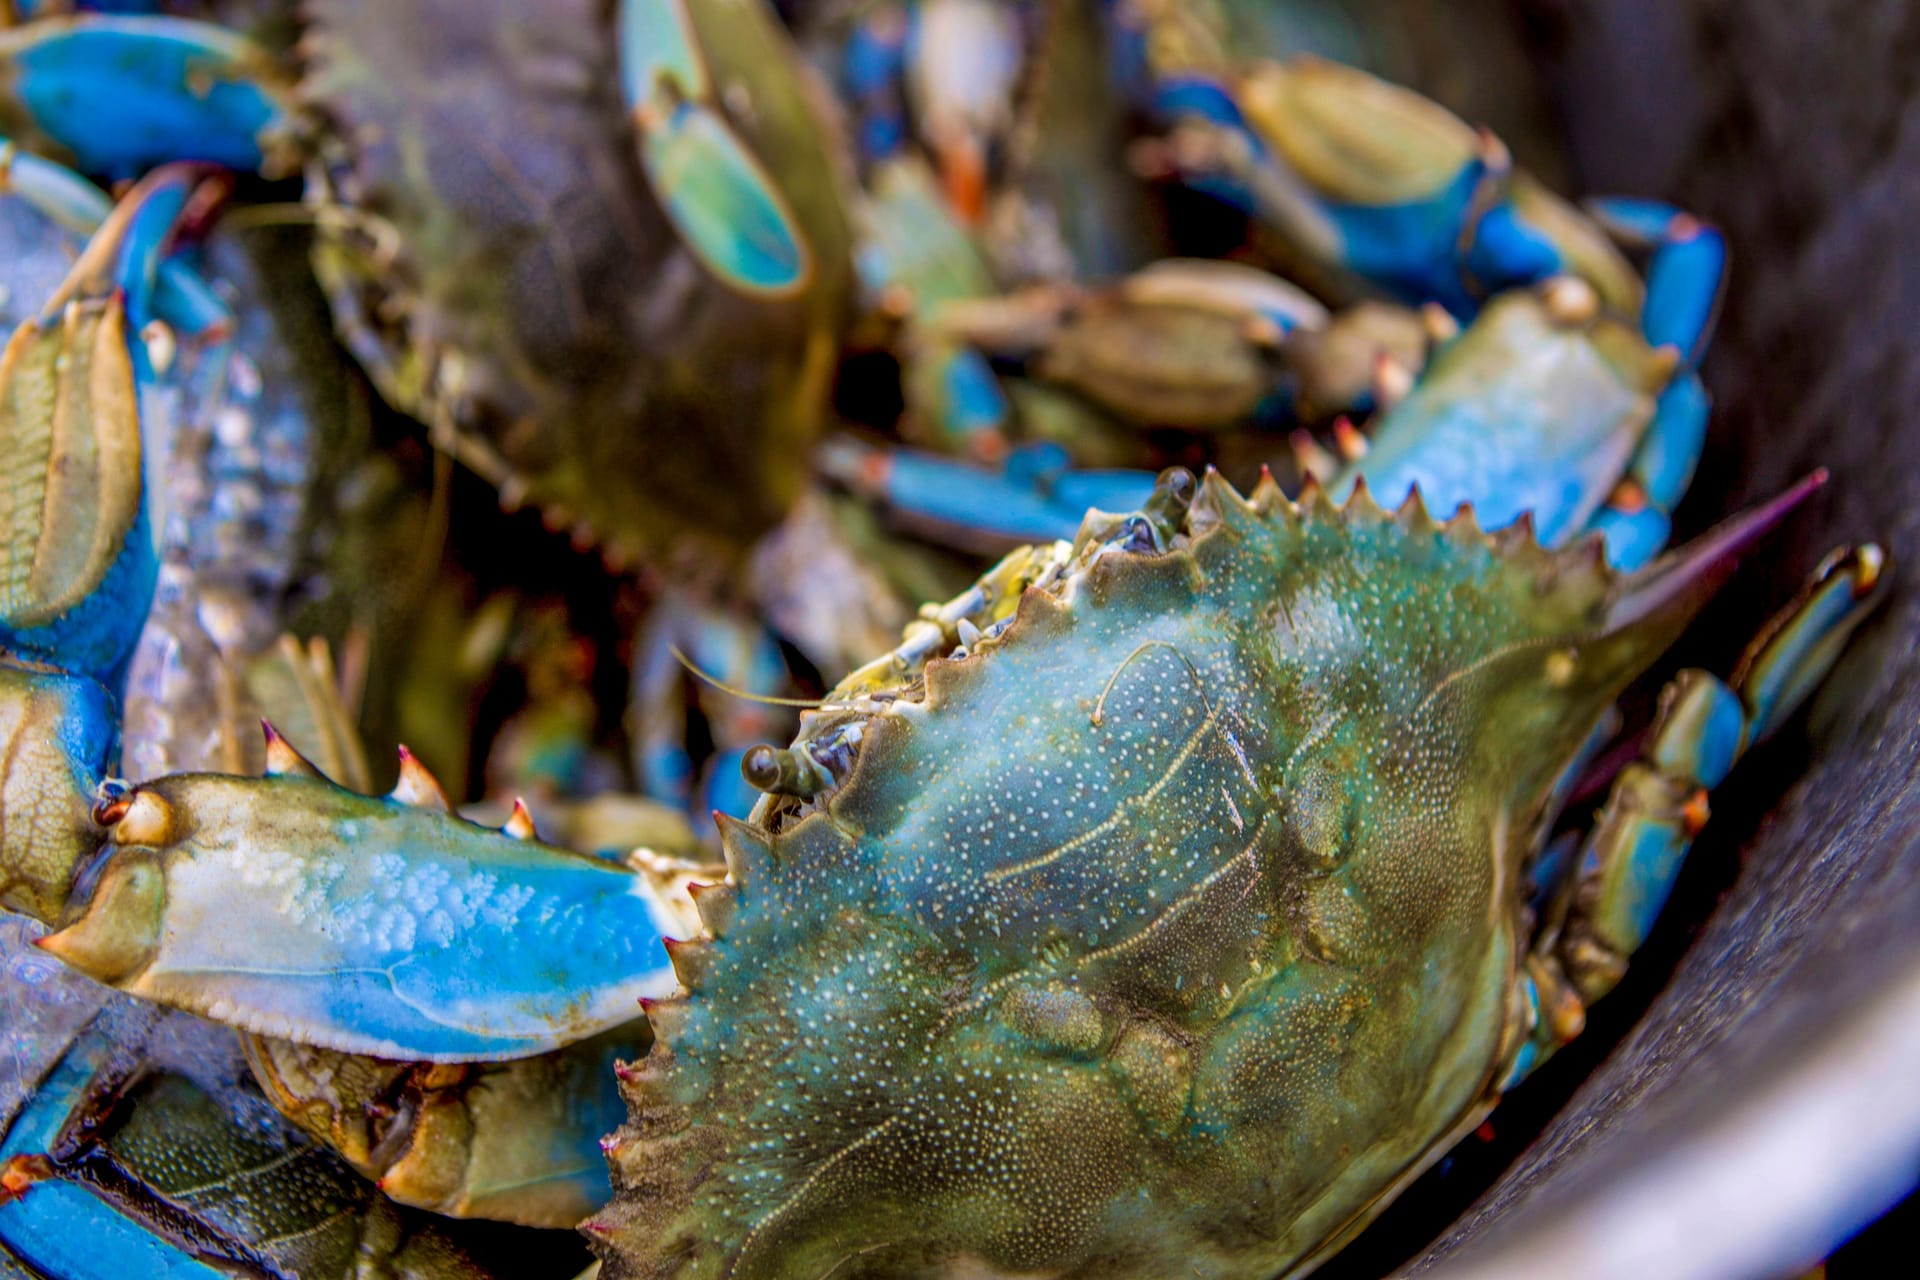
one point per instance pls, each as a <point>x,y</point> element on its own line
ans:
<point>761,768</point>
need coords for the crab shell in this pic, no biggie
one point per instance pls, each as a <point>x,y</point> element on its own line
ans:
<point>500,262</point>
<point>1168,932</point>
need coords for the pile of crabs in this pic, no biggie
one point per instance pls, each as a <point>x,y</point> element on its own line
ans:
<point>1133,525</point>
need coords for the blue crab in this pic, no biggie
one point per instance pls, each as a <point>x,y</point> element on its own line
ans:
<point>646,210</point>
<point>1367,185</point>
<point>628,276</point>
<point>1169,606</point>
<point>231,450</point>
<point>1163,905</point>
<point>1190,347</point>
<point>207,653</point>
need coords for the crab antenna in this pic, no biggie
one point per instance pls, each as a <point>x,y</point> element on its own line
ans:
<point>809,704</point>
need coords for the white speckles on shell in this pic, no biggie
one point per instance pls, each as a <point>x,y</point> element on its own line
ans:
<point>1163,924</point>
<point>373,927</point>
<point>369,906</point>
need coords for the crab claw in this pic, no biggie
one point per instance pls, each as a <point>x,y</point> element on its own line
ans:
<point>721,199</point>
<point>58,733</point>
<point>76,549</point>
<point>179,89</point>
<point>292,907</point>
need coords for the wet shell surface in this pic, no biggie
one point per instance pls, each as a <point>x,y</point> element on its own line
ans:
<point>1163,933</point>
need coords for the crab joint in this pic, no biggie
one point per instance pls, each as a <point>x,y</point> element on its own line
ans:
<point>139,818</point>
<point>20,1174</point>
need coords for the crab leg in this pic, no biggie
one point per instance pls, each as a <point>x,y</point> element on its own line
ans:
<point>1686,278</point>
<point>289,906</point>
<point>93,1186</point>
<point>1625,869</point>
<point>511,1141</point>
<point>1035,496</point>
<point>74,386</point>
<point>1636,518</point>
<point>57,1226</point>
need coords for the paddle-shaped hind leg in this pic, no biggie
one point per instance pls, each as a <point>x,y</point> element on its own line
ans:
<point>1627,866</point>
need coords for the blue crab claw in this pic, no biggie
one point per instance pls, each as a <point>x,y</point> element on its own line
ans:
<point>1396,179</point>
<point>718,195</point>
<point>722,201</point>
<point>178,89</point>
<point>1551,405</point>
<point>657,43</point>
<point>58,733</point>
<point>1380,188</point>
<point>1406,246</point>
<point>76,543</point>
<point>1537,409</point>
<point>1034,497</point>
<point>177,293</point>
<point>289,906</point>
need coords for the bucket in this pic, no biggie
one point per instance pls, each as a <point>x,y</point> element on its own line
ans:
<point>1752,1097</point>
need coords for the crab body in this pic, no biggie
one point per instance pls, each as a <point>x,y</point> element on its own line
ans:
<point>522,284</point>
<point>550,240</point>
<point>1162,903</point>
<point>1161,932</point>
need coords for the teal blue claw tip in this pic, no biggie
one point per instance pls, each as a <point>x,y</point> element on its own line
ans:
<point>722,201</point>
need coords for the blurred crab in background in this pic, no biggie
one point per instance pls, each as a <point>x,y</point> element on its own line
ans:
<point>757,388</point>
